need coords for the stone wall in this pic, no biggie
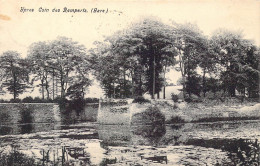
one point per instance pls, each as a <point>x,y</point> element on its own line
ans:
<point>29,113</point>
<point>113,112</point>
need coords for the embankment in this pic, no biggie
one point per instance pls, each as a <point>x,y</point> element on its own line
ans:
<point>29,113</point>
<point>132,113</point>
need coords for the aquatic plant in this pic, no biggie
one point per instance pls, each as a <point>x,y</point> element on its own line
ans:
<point>17,158</point>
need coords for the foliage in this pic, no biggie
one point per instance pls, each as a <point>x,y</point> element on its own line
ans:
<point>29,99</point>
<point>152,115</point>
<point>62,61</point>
<point>141,100</point>
<point>175,119</point>
<point>15,73</point>
<point>237,62</point>
<point>17,100</point>
<point>17,158</point>
<point>175,97</point>
<point>91,100</point>
<point>39,57</point>
<point>133,59</point>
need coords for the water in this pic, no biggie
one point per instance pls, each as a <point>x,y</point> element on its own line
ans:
<point>88,143</point>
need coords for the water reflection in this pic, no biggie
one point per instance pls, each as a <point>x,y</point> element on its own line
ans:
<point>4,130</point>
<point>115,135</point>
<point>181,144</point>
<point>150,134</point>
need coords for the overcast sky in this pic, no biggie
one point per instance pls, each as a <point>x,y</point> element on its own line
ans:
<point>18,30</point>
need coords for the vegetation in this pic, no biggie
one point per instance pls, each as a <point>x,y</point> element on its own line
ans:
<point>14,73</point>
<point>175,97</point>
<point>240,151</point>
<point>17,158</point>
<point>141,100</point>
<point>152,115</point>
<point>175,119</point>
<point>135,60</point>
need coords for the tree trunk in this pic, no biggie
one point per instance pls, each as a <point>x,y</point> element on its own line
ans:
<point>124,92</point>
<point>14,84</point>
<point>42,84</point>
<point>153,76</point>
<point>164,84</point>
<point>182,74</point>
<point>53,91</point>
<point>132,84</point>
<point>164,92</point>
<point>204,82</point>
<point>114,93</point>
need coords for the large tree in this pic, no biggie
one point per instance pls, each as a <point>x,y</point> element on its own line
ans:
<point>15,73</point>
<point>191,45</point>
<point>38,55</point>
<point>238,63</point>
<point>68,61</point>
<point>139,54</point>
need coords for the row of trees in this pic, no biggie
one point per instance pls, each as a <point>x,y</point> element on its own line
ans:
<point>59,66</point>
<point>134,61</point>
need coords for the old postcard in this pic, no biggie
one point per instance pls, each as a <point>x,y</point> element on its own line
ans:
<point>129,82</point>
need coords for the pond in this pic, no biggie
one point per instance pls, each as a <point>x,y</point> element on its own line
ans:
<point>87,143</point>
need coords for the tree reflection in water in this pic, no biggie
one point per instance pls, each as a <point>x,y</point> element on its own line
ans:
<point>151,133</point>
<point>26,120</point>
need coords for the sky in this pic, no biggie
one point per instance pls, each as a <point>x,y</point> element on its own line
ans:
<point>18,30</point>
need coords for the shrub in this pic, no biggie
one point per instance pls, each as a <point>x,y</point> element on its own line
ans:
<point>175,97</point>
<point>28,99</point>
<point>91,100</point>
<point>17,158</point>
<point>61,101</point>
<point>193,98</point>
<point>38,100</point>
<point>141,100</point>
<point>175,119</point>
<point>152,115</point>
<point>15,100</point>
<point>4,101</point>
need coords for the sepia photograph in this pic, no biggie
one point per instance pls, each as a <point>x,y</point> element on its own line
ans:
<point>129,83</point>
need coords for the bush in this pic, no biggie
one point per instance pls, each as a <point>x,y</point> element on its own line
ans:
<point>175,119</point>
<point>28,99</point>
<point>175,97</point>
<point>17,158</point>
<point>193,98</point>
<point>152,115</point>
<point>91,100</point>
<point>141,100</point>
<point>15,100</point>
<point>61,101</point>
<point>4,101</point>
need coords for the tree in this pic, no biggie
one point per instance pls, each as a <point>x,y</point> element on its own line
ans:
<point>15,73</point>
<point>191,44</point>
<point>207,62</point>
<point>38,56</point>
<point>138,54</point>
<point>155,49</point>
<point>68,60</point>
<point>237,59</point>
